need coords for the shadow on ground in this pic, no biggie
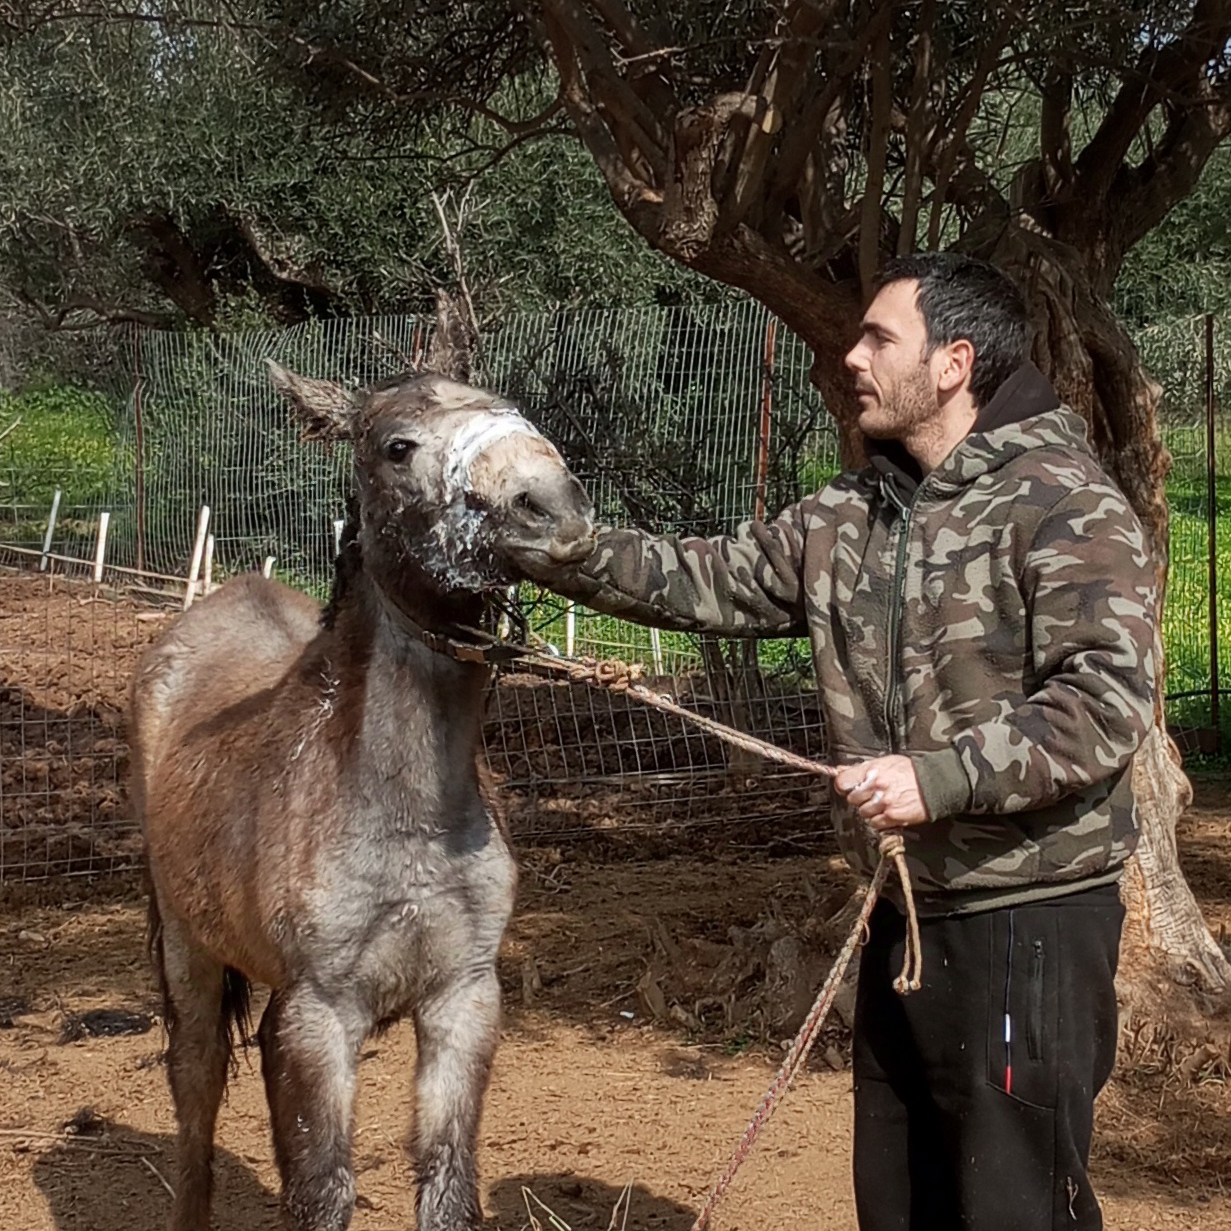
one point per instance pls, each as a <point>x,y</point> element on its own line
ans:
<point>103,1181</point>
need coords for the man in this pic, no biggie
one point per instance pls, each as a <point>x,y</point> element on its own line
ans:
<point>980,603</point>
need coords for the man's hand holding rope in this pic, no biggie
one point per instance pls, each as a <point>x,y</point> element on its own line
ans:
<point>884,791</point>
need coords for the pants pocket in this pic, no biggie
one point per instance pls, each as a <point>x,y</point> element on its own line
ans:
<point>1023,1025</point>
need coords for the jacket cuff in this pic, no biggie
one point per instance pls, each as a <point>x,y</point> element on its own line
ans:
<point>942,782</point>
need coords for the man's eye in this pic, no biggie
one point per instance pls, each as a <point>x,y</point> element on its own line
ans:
<point>399,450</point>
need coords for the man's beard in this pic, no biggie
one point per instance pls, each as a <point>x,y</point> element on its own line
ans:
<point>910,404</point>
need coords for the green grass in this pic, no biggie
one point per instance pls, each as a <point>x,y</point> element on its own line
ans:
<point>61,438</point>
<point>66,438</point>
<point>60,433</point>
<point>1186,615</point>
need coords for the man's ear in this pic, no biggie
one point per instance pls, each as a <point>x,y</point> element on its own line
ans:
<point>325,410</point>
<point>956,365</point>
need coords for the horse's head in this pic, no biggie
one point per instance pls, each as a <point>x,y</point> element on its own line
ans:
<point>449,477</point>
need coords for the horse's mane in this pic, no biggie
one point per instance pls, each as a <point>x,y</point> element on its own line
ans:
<point>347,566</point>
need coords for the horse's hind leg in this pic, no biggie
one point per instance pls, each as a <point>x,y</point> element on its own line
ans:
<point>457,1032</point>
<point>197,1054</point>
<point>308,1056</point>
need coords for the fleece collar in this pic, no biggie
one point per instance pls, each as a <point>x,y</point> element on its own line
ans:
<point>1026,394</point>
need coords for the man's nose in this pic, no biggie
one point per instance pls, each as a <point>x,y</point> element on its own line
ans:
<point>855,359</point>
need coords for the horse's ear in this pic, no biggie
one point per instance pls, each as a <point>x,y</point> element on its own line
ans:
<point>453,341</point>
<point>325,410</point>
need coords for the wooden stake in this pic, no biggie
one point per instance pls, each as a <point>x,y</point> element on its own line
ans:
<point>656,650</point>
<point>198,550</point>
<point>268,569</point>
<point>208,583</point>
<point>104,520</point>
<point>338,527</point>
<point>570,629</point>
<point>51,529</point>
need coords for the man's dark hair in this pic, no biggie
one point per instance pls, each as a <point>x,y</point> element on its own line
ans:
<point>963,297</point>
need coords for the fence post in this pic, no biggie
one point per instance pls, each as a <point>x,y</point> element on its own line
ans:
<point>656,651</point>
<point>51,529</point>
<point>767,412</point>
<point>1211,470</point>
<point>104,520</point>
<point>139,424</point>
<point>198,550</point>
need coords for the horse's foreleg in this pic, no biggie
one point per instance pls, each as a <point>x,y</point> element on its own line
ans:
<point>308,1054</point>
<point>197,1054</point>
<point>457,1032</point>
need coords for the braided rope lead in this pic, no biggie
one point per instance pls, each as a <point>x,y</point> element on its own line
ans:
<point>618,676</point>
<point>891,853</point>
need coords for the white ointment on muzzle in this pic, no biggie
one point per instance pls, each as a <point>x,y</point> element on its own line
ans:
<point>479,433</point>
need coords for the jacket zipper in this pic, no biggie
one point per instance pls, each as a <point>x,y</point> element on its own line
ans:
<point>896,599</point>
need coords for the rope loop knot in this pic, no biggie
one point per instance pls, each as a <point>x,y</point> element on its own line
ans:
<point>893,849</point>
<point>611,673</point>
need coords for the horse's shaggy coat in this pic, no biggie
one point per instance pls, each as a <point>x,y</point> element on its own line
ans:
<point>313,813</point>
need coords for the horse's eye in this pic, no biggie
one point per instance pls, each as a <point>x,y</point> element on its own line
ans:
<point>399,450</point>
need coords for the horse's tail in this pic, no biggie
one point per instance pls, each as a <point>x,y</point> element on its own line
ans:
<point>235,1016</point>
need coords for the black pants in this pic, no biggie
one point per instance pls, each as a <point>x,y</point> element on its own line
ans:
<point>958,1122</point>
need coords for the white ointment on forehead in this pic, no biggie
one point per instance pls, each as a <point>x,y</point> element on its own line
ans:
<point>474,438</point>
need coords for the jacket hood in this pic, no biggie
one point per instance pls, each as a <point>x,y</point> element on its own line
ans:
<point>1024,413</point>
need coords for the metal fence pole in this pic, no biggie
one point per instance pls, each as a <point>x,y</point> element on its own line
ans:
<point>1212,514</point>
<point>139,424</point>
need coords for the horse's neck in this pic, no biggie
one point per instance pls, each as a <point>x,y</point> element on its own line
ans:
<point>418,713</point>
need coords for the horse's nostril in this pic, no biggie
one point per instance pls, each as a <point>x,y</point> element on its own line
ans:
<point>530,508</point>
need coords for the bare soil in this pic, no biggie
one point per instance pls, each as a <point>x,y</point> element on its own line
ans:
<point>589,1093</point>
<point>650,975</point>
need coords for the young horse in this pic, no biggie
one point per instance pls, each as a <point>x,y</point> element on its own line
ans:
<point>312,808</point>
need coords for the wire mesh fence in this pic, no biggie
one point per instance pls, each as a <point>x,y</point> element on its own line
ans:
<point>675,419</point>
<point>686,419</point>
<point>1191,359</point>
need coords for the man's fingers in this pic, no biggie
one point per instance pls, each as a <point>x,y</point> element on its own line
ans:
<point>850,789</point>
<point>873,806</point>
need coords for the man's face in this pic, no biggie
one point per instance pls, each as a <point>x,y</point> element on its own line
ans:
<point>894,381</point>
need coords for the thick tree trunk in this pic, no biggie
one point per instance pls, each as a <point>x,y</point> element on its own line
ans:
<point>1172,971</point>
<point>1174,974</point>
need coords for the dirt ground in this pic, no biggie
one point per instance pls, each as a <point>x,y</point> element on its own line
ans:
<point>648,981</point>
<point>589,1094</point>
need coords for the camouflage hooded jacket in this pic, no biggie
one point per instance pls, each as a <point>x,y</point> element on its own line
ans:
<point>996,624</point>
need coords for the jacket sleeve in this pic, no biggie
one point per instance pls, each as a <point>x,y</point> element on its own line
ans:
<point>741,585</point>
<point>1089,587</point>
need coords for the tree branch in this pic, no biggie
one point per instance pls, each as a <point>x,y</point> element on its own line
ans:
<point>783,75</point>
<point>877,149</point>
<point>61,319</point>
<point>1171,170</point>
<point>1055,145</point>
<point>638,199</point>
<point>919,129</point>
<point>802,131</point>
<point>638,133</point>
<point>641,44</point>
<point>1174,69</point>
<point>956,142</point>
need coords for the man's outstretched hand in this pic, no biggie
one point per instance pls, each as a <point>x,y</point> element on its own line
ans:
<point>884,791</point>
